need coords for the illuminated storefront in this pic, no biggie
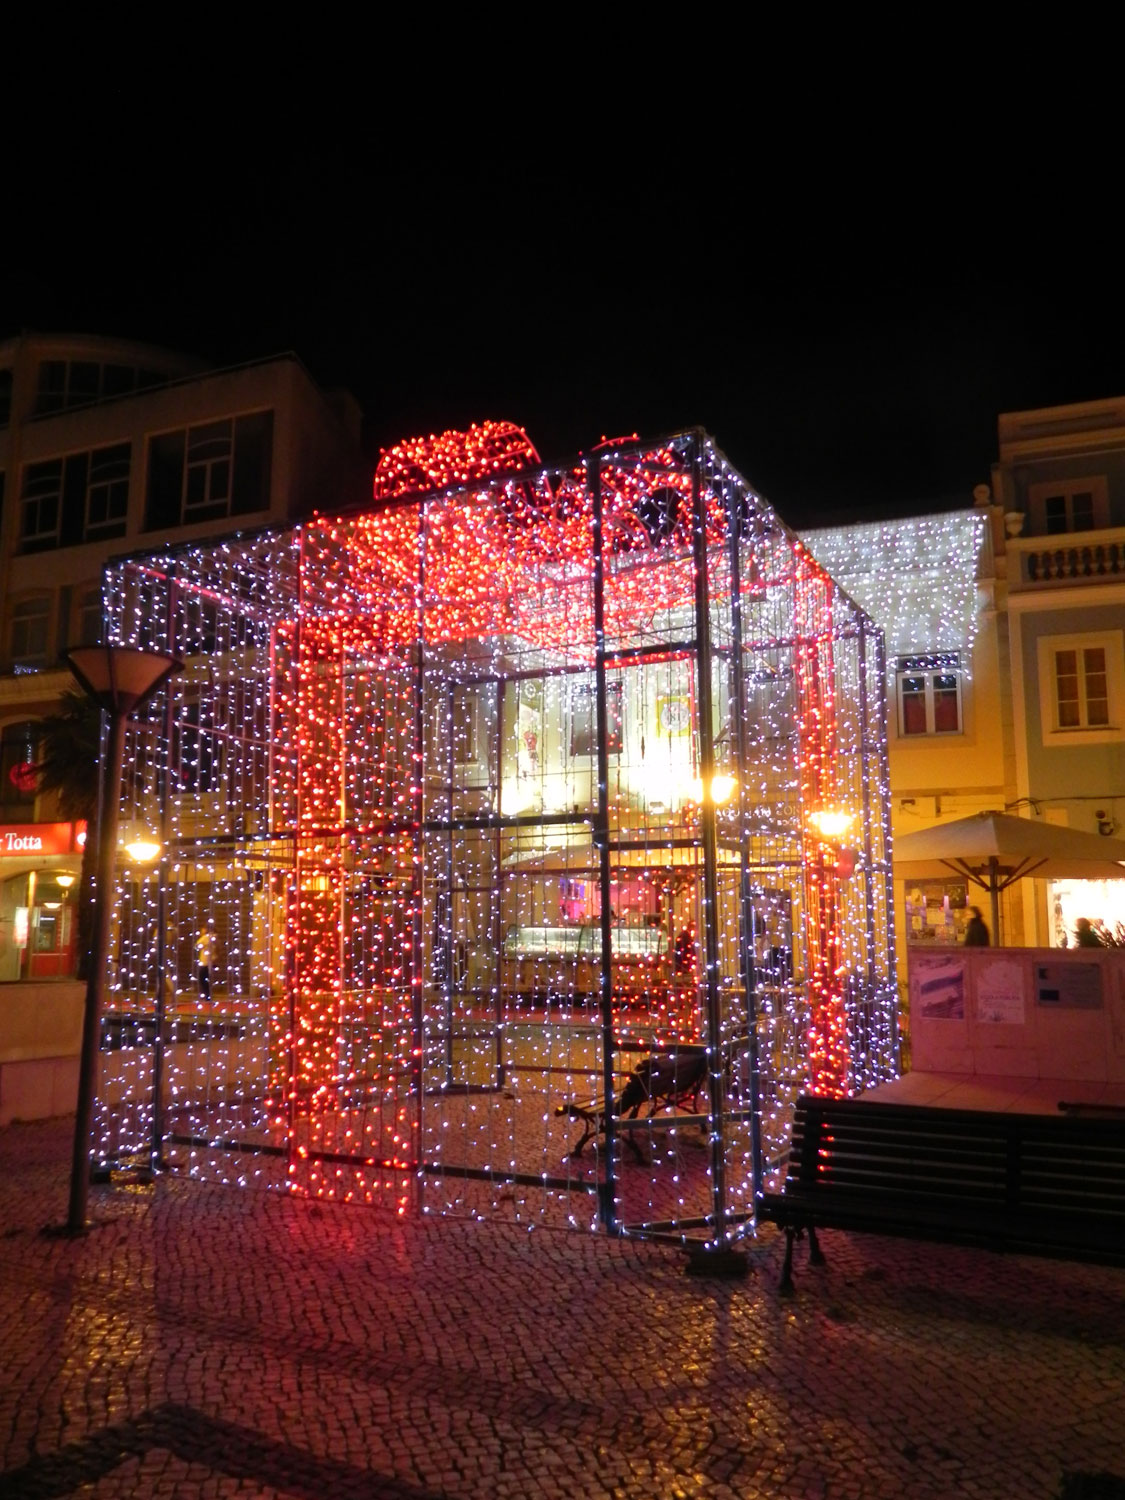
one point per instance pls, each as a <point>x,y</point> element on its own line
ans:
<point>39,868</point>
<point>481,796</point>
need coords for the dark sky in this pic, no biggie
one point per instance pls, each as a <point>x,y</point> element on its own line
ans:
<point>848,347</point>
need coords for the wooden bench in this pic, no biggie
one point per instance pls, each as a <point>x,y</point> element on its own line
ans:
<point>1037,1184</point>
<point>667,1081</point>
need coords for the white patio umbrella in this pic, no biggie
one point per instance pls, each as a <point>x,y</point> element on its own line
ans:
<point>994,850</point>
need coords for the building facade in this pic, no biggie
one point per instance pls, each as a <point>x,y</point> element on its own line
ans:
<point>932,583</point>
<point>1005,624</point>
<point>1059,483</point>
<point>107,446</point>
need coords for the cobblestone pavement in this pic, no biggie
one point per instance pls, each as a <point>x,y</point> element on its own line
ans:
<point>207,1341</point>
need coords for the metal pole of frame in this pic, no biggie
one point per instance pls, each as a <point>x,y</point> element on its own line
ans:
<point>99,950</point>
<point>865,773</point>
<point>607,1189</point>
<point>709,834</point>
<point>746,934</point>
<point>864,1020</point>
<point>417,968</point>
<point>885,830</point>
<point>164,773</point>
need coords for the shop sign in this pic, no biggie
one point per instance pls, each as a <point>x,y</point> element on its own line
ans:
<point>18,840</point>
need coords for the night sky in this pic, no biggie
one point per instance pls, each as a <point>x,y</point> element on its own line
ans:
<point>848,349</point>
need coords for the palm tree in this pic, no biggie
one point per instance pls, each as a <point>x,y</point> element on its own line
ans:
<point>69,758</point>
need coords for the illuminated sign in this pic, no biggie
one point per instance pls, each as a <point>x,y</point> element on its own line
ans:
<point>18,840</point>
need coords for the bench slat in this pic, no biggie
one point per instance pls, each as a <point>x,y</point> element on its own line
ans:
<point>1036,1183</point>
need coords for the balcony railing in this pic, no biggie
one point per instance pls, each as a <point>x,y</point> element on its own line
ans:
<point>1059,561</point>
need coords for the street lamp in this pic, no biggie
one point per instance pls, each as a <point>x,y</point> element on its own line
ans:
<point>119,679</point>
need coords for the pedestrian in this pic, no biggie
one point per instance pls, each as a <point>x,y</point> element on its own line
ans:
<point>203,964</point>
<point>1084,934</point>
<point>976,930</point>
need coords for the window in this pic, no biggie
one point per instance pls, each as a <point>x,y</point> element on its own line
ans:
<point>41,505</point>
<point>88,617</point>
<point>107,491</point>
<point>584,719</point>
<point>929,694</point>
<point>210,472</point>
<point>1069,505</point>
<point>81,498</point>
<point>19,751</point>
<point>80,382</point>
<point>207,487</point>
<point>1081,688</point>
<point>1081,681</point>
<point>28,634</point>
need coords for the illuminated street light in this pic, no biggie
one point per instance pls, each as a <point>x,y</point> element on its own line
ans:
<point>140,843</point>
<point>119,679</point>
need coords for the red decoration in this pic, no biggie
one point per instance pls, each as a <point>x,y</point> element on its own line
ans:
<point>24,777</point>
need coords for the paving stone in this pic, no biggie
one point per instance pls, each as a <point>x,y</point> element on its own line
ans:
<point>207,1341</point>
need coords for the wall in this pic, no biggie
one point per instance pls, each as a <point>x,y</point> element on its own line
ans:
<point>40,1039</point>
<point>1019,1012</point>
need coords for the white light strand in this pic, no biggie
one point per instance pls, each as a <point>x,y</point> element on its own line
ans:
<point>916,577</point>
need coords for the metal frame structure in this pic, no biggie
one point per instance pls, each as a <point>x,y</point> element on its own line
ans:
<point>485,794</point>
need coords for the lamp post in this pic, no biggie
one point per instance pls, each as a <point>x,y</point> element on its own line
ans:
<point>119,679</point>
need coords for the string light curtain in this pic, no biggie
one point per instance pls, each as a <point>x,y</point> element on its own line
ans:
<point>485,798</point>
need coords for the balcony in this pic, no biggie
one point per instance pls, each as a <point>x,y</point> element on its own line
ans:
<point>1063,561</point>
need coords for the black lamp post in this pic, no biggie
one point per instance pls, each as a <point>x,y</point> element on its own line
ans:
<point>119,679</point>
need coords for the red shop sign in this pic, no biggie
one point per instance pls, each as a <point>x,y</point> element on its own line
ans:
<point>18,840</point>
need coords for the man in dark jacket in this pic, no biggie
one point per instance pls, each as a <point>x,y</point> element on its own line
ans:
<point>1084,934</point>
<point>976,931</point>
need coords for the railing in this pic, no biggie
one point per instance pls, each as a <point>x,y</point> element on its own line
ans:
<point>1085,557</point>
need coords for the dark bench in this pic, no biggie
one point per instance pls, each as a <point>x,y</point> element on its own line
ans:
<point>668,1081</point>
<point>1038,1184</point>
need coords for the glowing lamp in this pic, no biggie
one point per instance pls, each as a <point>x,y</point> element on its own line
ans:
<point>831,822</point>
<point>723,788</point>
<point>140,843</point>
<point>64,881</point>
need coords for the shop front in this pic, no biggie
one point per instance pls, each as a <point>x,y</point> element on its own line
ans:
<point>40,865</point>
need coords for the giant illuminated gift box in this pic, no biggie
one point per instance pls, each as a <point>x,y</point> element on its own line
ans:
<point>488,791</point>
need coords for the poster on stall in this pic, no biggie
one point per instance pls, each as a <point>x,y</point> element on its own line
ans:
<point>1001,998</point>
<point>936,911</point>
<point>937,988</point>
<point>1069,986</point>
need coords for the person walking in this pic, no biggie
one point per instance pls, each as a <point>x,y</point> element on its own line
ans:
<point>1084,934</point>
<point>976,930</point>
